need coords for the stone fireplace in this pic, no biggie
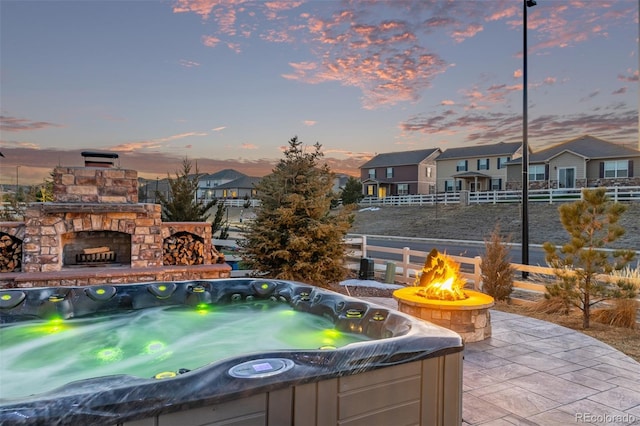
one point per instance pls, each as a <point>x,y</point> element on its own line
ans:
<point>93,208</point>
<point>96,225</point>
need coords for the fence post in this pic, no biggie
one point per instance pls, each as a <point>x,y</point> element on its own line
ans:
<point>406,257</point>
<point>476,272</point>
<point>363,248</point>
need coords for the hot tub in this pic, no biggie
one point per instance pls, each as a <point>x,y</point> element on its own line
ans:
<point>352,363</point>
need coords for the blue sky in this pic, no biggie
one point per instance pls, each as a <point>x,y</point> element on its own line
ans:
<point>227,83</point>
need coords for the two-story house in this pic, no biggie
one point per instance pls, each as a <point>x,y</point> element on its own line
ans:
<point>400,173</point>
<point>476,168</point>
<point>581,162</point>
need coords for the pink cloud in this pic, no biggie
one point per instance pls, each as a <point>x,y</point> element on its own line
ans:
<point>14,124</point>
<point>310,123</point>
<point>210,41</point>
<point>248,146</point>
<point>470,31</point>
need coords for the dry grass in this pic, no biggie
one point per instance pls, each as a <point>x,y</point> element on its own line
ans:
<point>623,339</point>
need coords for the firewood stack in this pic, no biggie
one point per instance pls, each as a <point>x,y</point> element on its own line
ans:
<point>183,249</point>
<point>10,254</point>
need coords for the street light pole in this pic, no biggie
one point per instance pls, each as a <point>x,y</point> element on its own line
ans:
<point>525,144</point>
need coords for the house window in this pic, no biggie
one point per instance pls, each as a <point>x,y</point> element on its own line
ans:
<point>429,172</point>
<point>616,169</point>
<point>372,173</point>
<point>483,164</point>
<point>389,172</point>
<point>496,184</point>
<point>452,185</point>
<point>536,172</point>
<point>461,166</point>
<point>403,189</point>
<point>502,161</point>
<point>371,190</point>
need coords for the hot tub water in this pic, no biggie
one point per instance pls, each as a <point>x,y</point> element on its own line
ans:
<point>153,341</point>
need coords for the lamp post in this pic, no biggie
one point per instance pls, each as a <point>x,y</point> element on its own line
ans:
<point>525,144</point>
<point>17,180</point>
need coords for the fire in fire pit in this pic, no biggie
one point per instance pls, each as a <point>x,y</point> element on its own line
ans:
<point>440,278</point>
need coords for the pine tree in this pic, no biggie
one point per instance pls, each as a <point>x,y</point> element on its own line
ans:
<point>592,223</point>
<point>181,204</point>
<point>352,192</point>
<point>294,235</point>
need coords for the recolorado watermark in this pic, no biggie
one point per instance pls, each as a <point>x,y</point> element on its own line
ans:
<point>626,419</point>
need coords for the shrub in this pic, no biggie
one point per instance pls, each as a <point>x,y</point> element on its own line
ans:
<point>496,270</point>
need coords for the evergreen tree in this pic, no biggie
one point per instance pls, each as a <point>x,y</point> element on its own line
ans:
<point>294,235</point>
<point>181,204</point>
<point>592,223</point>
<point>352,192</point>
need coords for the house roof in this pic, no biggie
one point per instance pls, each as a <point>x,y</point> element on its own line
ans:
<point>586,146</point>
<point>247,182</point>
<point>226,174</point>
<point>502,148</point>
<point>401,158</point>
<point>470,174</point>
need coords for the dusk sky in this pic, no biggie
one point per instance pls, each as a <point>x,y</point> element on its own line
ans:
<point>226,83</point>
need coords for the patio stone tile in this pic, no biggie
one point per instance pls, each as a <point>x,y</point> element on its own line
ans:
<point>509,371</point>
<point>509,351</point>
<point>520,401</point>
<point>566,369</point>
<point>512,337</point>
<point>477,411</point>
<point>571,356</point>
<point>618,398</point>
<point>617,371</point>
<point>596,374</point>
<point>625,383</point>
<point>540,363</point>
<point>490,389</point>
<point>510,420</point>
<point>479,380</point>
<point>485,360</point>
<point>585,407</point>
<point>554,388</point>
<point>629,365</point>
<point>578,377</point>
<point>554,417</point>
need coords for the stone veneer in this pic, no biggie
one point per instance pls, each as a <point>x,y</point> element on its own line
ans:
<point>473,325</point>
<point>95,185</point>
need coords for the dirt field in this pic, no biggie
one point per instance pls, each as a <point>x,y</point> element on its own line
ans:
<point>476,222</point>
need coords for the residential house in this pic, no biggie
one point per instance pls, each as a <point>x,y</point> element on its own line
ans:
<point>400,173</point>
<point>208,183</point>
<point>582,162</point>
<point>243,187</point>
<point>475,168</point>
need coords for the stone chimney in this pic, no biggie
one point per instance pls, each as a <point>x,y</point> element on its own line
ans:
<point>97,182</point>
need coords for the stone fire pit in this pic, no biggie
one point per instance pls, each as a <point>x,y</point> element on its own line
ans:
<point>439,297</point>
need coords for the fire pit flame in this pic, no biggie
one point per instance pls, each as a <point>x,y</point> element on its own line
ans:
<point>441,278</point>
